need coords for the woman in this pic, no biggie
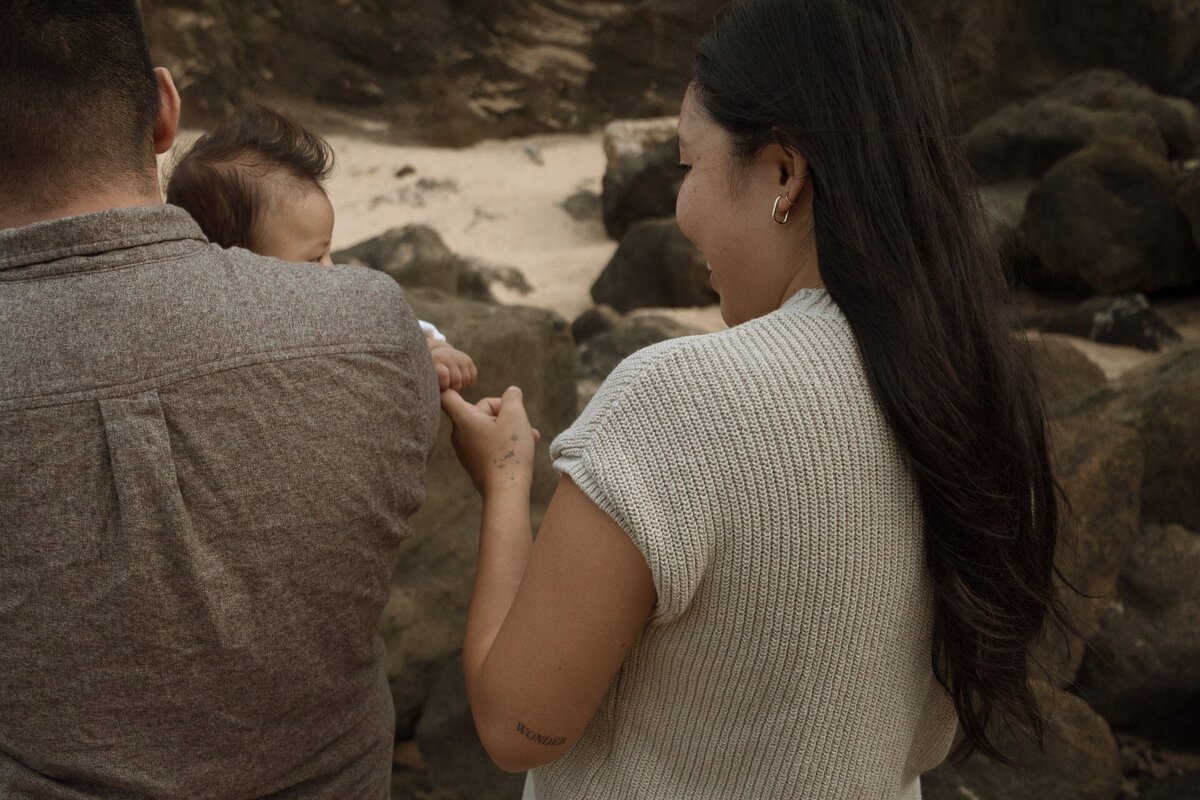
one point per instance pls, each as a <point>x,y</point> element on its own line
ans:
<point>784,560</point>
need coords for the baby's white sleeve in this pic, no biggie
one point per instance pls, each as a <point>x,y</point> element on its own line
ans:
<point>431,332</point>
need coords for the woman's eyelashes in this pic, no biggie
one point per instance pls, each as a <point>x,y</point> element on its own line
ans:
<point>685,168</point>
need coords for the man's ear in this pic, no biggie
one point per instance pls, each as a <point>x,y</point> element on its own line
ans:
<point>169,107</point>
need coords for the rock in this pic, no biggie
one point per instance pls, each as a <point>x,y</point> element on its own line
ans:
<point>1177,119</point>
<point>1063,372</point>
<point>643,56</point>
<point>642,178</point>
<point>1142,673</point>
<point>584,206</point>
<point>453,72</point>
<point>1080,761</point>
<point>1163,396</point>
<point>1127,320</point>
<point>1003,207</point>
<point>1189,199</point>
<point>423,622</point>
<point>416,256</point>
<point>1025,141</point>
<point>655,266</point>
<point>596,320</point>
<point>1175,787</point>
<point>458,763</point>
<point>1098,459</point>
<point>350,87</point>
<point>601,353</point>
<point>1105,221</point>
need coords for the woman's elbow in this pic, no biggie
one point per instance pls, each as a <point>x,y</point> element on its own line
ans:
<point>512,751</point>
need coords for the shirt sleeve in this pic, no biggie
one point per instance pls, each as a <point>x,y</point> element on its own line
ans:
<point>632,453</point>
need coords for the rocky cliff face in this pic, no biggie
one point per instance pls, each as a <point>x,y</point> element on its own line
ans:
<point>455,71</point>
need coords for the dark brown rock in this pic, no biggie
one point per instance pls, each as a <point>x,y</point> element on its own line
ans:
<point>458,764</point>
<point>1064,374</point>
<point>596,320</point>
<point>1106,221</point>
<point>1080,760</point>
<point>601,354</point>
<point>642,178</point>
<point>1189,199</point>
<point>1142,672</point>
<point>350,87</point>
<point>1025,141</point>
<point>416,257</point>
<point>655,266</point>
<point>1098,459</point>
<point>1177,119</point>
<point>1164,397</point>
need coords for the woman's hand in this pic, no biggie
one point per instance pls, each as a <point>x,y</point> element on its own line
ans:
<point>494,440</point>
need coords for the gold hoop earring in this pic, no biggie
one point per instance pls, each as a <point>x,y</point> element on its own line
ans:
<point>775,210</point>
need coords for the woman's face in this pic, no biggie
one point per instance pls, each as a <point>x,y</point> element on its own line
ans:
<point>724,208</point>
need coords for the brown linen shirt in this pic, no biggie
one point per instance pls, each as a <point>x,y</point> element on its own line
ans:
<point>207,462</point>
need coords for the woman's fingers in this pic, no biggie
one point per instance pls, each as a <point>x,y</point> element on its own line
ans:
<point>489,406</point>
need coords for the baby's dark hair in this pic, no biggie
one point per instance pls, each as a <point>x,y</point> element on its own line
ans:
<point>219,181</point>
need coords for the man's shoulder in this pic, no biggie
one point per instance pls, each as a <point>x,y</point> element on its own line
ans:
<point>308,300</point>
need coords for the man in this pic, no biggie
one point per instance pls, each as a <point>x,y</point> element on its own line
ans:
<point>207,460</point>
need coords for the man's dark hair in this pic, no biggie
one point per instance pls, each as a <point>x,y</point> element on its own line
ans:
<point>220,181</point>
<point>78,98</point>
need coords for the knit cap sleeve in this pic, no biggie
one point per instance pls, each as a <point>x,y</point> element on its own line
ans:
<point>634,451</point>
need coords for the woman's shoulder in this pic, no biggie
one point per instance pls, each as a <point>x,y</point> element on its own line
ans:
<point>719,369</point>
<point>798,333</point>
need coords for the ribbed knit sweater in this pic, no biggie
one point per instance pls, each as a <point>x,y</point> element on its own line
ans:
<point>788,655</point>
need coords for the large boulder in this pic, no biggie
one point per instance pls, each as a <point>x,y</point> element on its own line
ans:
<point>1026,140</point>
<point>601,354</point>
<point>642,178</point>
<point>1064,374</point>
<point>415,256</point>
<point>458,764</point>
<point>1163,396</point>
<point>423,621</point>
<point>655,266</point>
<point>1080,760</point>
<point>596,320</point>
<point>1098,460</point>
<point>1142,671</point>
<point>1177,119</point>
<point>1189,198</point>
<point>1105,221</point>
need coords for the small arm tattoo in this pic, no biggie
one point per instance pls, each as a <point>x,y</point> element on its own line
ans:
<point>538,738</point>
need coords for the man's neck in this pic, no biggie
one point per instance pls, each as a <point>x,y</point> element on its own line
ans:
<point>15,218</point>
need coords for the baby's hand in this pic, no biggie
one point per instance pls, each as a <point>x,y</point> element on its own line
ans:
<point>455,369</point>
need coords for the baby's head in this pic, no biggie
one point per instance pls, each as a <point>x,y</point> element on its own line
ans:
<point>256,182</point>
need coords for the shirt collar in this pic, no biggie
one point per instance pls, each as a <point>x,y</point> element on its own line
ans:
<point>95,234</point>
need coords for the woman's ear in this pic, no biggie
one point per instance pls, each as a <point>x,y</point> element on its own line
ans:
<point>796,174</point>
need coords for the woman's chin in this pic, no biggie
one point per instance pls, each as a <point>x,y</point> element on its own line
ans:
<point>727,316</point>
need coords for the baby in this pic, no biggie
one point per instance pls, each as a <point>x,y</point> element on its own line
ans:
<point>257,182</point>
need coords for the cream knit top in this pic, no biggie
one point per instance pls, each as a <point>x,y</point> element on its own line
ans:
<point>788,655</point>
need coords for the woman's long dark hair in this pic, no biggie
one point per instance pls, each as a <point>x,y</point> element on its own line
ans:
<point>902,250</point>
